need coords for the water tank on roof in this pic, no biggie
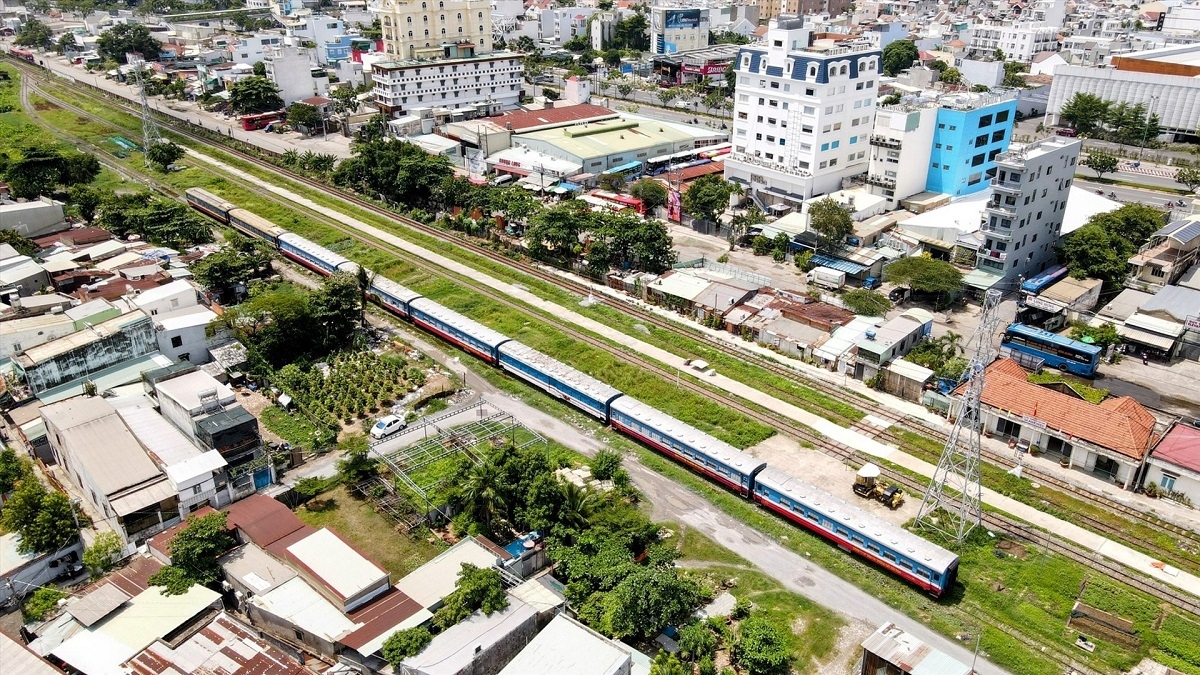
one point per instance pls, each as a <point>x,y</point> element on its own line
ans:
<point>870,335</point>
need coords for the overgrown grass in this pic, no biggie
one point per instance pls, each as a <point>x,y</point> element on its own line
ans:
<point>1091,394</point>
<point>292,427</point>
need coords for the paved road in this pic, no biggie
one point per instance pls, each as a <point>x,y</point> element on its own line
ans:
<point>1137,195</point>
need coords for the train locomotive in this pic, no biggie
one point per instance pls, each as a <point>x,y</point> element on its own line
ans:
<point>918,561</point>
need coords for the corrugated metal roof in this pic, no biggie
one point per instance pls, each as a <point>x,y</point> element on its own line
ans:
<point>98,604</point>
<point>838,264</point>
<point>344,570</point>
<point>911,655</point>
<point>453,650</point>
<point>1177,301</point>
<point>567,646</point>
<point>1154,324</point>
<point>433,581</point>
<point>97,439</point>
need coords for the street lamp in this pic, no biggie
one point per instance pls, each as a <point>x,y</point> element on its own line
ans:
<point>1146,126</point>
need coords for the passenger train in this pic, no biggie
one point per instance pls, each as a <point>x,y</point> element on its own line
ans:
<point>924,564</point>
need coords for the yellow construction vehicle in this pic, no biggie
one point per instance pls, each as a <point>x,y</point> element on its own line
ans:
<point>868,485</point>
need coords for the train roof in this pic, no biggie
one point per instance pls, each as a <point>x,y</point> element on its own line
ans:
<point>257,221</point>
<point>892,536</point>
<point>393,289</point>
<point>319,252</point>
<point>450,317</point>
<point>714,448</point>
<point>205,195</point>
<point>580,380</point>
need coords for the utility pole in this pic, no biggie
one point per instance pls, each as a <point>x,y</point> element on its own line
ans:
<point>150,134</point>
<point>952,502</point>
<point>1146,126</point>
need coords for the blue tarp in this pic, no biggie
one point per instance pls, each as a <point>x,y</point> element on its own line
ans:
<point>838,264</point>
<point>569,186</point>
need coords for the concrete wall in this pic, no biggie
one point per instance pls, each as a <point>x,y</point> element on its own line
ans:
<point>134,340</point>
<point>190,340</point>
<point>21,334</point>
<point>36,572</point>
<point>1185,482</point>
<point>33,219</point>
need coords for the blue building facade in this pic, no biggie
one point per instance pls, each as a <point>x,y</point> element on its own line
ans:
<point>965,146</point>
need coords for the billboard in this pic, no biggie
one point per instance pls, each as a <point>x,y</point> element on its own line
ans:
<point>679,19</point>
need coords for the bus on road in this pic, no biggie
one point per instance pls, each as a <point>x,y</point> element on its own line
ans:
<point>256,122</point>
<point>1056,351</point>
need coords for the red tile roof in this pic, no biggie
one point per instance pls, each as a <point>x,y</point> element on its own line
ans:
<point>524,120</point>
<point>1181,447</point>
<point>1119,424</point>
<point>693,172</point>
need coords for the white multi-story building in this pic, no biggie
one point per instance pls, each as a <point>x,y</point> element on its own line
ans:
<point>489,81</point>
<point>321,30</point>
<point>557,25</point>
<point>253,48</point>
<point>901,147</point>
<point>416,29</point>
<point>1182,19</point>
<point>803,112</point>
<point>295,71</point>
<point>1018,41</point>
<point>678,29</point>
<point>1024,216</point>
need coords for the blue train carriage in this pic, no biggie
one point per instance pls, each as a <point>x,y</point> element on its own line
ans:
<point>716,459</point>
<point>923,563</point>
<point>1056,351</point>
<point>558,379</point>
<point>392,295</point>
<point>317,258</point>
<point>453,327</point>
<point>255,226</point>
<point>209,204</point>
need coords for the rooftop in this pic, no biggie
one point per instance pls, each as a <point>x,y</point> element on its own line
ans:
<point>531,120</point>
<point>81,338</point>
<point>335,563</point>
<point>567,646</point>
<point>452,650</point>
<point>433,581</point>
<point>265,521</point>
<point>897,647</point>
<point>380,618</point>
<point>1119,424</point>
<point>223,646</point>
<point>256,569</point>
<point>100,444</point>
<point>1178,302</point>
<point>186,389</point>
<point>164,442</point>
<point>616,136</point>
<point>19,659</point>
<point>296,602</point>
<point>429,63</point>
<point>1180,447</point>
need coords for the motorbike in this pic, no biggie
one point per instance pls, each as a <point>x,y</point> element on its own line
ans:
<point>1099,192</point>
<point>1170,205</point>
<point>1179,202</point>
<point>1112,195</point>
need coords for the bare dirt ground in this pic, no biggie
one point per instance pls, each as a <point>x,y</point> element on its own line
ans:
<point>848,648</point>
<point>830,474</point>
<point>254,403</point>
<point>691,245</point>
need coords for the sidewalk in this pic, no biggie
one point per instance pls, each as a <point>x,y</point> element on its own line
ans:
<point>1112,550</point>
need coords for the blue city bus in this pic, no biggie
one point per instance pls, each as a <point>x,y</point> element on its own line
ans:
<point>629,171</point>
<point>1056,351</point>
<point>1041,282</point>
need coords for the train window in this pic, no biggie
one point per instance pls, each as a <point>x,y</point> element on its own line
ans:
<point>856,539</point>
<point>873,548</point>
<point>889,556</point>
<point>812,516</point>
<point>906,565</point>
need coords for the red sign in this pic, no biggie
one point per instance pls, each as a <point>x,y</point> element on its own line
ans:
<point>706,69</point>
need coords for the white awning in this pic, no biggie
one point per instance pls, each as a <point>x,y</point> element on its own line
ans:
<point>1145,337</point>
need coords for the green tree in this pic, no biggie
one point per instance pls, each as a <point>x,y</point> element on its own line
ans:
<point>396,171</point>
<point>612,182</point>
<point>482,494</point>
<point>254,95</point>
<point>1104,336</point>
<point>651,192</point>
<point>612,58</point>
<point>526,44</point>
<point>707,198</point>
<point>898,56</point>
<point>830,221</point>
<point>86,200</point>
<point>128,38</point>
<point>665,96</point>
<point>740,224</point>
<point>1013,71</point>
<point>696,642</point>
<point>1189,177</point>
<point>1100,162</point>
<point>761,648</point>
<point>34,33</point>
<point>606,464</point>
<point>336,311</point>
<point>21,244</point>
<point>163,154</point>
<point>577,506</point>
<point>194,552</point>
<point>760,244</point>
<point>478,590</point>
<point>304,115</point>
<point>15,468</point>
<point>405,643</point>
<point>1091,252</point>
<point>925,275</point>
<point>356,462</point>
<point>625,89</point>
<point>866,302</point>
<point>951,76</point>
<point>40,170</point>
<point>259,69</point>
<point>1085,112</point>
<point>42,603</point>
<point>231,265</point>
<point>1132,224</point>
<point>645,601</point>
<point>44,519</point>
<point>999,55</point>
<point>666,663</point>
<point>158,220</point>
<point>555,231</point>
<point>101,556</point>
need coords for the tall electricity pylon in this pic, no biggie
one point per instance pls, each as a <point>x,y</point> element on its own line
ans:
<point>952,502</point>
<point>150,134</point>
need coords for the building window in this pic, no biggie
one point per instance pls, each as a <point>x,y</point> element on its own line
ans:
<point>985,121</point>
<point>177,341</point>
<point>1002,116</point>
<point>1168,481</point>
<point>1156,271</point>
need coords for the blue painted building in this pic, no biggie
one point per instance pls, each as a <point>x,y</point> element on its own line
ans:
<point>970,134</point>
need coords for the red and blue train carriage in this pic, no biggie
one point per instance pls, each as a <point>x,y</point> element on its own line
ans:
<point>907,555</point>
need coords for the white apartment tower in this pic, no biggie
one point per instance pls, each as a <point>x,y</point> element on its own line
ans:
<point>901,146</point>
<point>418,29</point>
<point>803,111</point>
<point>1023,218</point>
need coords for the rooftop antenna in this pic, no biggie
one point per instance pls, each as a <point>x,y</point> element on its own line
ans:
<point>150,134</point>
<point>952,502</point>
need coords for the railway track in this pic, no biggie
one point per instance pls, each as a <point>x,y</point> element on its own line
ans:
<point>845,453</point>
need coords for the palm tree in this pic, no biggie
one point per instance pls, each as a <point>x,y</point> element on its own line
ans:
<point>666,663</point>
<point>481,494</point>
<point>578,505</point>
<point>291,158</point>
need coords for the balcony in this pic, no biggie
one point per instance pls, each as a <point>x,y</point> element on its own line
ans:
<point>882,181</point>
<point>994,255</point>
<point>766,164</point>
<point>885,142</point>
<point>1014,188</point>
<point>1002,209</point>
<point>997,232</point>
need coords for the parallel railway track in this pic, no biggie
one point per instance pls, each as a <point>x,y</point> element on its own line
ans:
<point>847,454</point>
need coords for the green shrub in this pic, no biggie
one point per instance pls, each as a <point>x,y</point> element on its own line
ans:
<point>41,603</point>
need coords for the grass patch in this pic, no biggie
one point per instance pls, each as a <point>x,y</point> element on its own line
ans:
<point>1091,394</point>
<point>694,546</point>
<point>368,531</point>
<point>294,428</point>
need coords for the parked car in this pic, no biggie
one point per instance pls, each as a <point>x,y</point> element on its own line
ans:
<point>386,426</point>
<point>900,294</point>
<point>872,282</point>
<point>1067,131</point>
